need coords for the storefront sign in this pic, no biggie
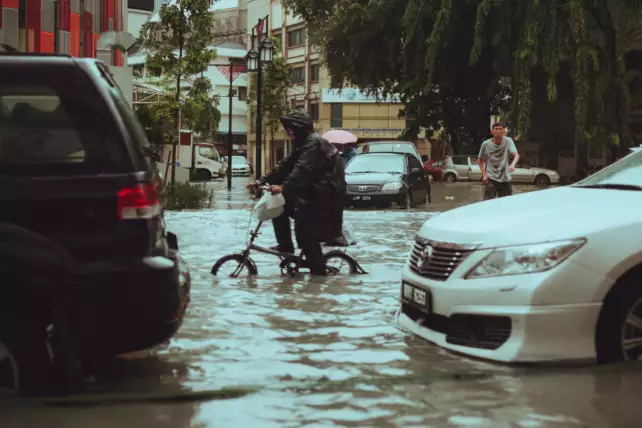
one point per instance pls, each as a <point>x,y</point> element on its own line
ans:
<point>374,132</point>
<point>351,95</point>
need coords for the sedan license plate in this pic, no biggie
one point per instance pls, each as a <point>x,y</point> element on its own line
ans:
<point>416,297</point>
<point>361,198</point>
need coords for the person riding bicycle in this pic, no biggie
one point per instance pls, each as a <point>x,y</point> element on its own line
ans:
<point>312,181</point>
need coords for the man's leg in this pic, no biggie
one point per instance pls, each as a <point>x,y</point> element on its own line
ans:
<point>306,236</point>
<point>283,231</point>
<point>505,189</point>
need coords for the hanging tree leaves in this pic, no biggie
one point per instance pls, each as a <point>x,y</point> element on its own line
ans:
<point>449,59</point>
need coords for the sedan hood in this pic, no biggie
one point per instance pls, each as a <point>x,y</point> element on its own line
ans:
<point>540,216</point>
<point>372,178</point>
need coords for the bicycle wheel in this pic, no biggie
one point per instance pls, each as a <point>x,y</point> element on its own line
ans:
<point>338,262</point>
<point>233,265</point>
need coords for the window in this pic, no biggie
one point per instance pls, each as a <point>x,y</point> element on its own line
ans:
<point>379,163</point>
<point>414,163</point>
<point>298,75</point>
<point>53,123</point>
<point>314,111</point>
<point>460,160</point>
<point>296,37</point>
<point>314,73</point>
<point>336,115</point>
<point>242,93</point>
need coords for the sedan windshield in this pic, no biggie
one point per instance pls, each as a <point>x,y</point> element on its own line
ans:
<point>376,163</point>
<point>239,160</point>
<point>626,174</point>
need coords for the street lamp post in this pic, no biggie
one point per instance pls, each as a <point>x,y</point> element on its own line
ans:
<point>256,57</point>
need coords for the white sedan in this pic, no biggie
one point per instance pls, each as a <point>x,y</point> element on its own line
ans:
<point>554,275</point>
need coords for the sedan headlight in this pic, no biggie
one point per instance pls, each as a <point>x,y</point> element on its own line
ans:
<point>524,259</point>
<point>395,185</point>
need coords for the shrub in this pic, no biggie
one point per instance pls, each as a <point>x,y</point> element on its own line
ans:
<point>186,196</point>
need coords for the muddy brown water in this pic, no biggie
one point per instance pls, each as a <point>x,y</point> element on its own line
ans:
<point>327,352</point>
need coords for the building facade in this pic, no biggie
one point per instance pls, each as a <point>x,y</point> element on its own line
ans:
<point>64,26</point>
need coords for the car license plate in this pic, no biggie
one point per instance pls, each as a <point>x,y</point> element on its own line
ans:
<point>417,297</point>
<point>361,198</point>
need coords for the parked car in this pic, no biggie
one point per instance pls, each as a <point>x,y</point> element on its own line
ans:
<point>381,179</point>
<point>240,166</point>
<point>389,147</point>
<point>76,178</point>
<point>434,168</point>
<point>555,279</point>
<point>466,168</point>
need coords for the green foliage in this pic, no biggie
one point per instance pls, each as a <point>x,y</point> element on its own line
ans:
<point>277,79</point>
<point>179,53</point>
<point>449,59</point>
<point>187,196</point>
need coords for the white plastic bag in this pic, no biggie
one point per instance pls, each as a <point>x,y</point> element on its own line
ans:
<point>269,206</point>
<point>348,234</point>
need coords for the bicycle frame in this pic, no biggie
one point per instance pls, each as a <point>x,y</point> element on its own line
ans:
<point>251,246</point>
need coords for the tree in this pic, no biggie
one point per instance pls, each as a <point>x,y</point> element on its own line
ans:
<point>179,50</point>
<point>450,60</point>
<point>277,79</point>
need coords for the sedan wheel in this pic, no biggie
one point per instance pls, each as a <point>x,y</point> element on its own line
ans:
<point>618,334</point>
<point>450,178</point>
<point>631,336</point>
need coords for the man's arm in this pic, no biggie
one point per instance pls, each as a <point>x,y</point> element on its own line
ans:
<point>481,160</point>
<point>305,169</point>
<point>512,150</point>
<point>280,171</point>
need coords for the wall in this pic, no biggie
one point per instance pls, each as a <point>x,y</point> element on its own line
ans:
<point>136,19</point>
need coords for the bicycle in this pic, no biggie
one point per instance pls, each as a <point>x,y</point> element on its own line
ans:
<point>290,263</point>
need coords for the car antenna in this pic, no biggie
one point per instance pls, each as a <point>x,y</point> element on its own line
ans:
<point>8,48</point>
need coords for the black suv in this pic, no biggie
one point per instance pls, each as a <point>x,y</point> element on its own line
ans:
<point>76,172</point>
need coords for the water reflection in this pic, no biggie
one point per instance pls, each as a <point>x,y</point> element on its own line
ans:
<point>328,352</point>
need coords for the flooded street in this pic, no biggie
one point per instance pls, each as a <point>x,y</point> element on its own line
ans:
<point>326,352</point>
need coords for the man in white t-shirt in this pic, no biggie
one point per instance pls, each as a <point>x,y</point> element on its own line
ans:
<point>496,165</point>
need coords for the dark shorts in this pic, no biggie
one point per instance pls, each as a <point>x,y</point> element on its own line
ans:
<point>497,189</point>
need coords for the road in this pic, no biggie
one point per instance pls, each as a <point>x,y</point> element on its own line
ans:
<point>318,353</point>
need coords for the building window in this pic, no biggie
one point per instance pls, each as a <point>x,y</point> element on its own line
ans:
<point>242,93</point>
<point>296,38</point>
<point>314,73</point>
<point>314,111</point>
<point>298,75</point>
<point>336,115</point>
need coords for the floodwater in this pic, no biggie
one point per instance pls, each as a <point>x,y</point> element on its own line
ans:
<point>327,352</point>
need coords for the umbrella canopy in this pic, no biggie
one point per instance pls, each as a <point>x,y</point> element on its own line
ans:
<point>338,136</point>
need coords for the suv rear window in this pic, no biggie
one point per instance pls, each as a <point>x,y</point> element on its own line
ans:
<point>54,121</point>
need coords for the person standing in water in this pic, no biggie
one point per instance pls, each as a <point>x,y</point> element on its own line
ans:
<point>496,164</point>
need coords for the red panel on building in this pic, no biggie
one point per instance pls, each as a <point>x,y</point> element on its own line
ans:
<point>94,44</point>
<point>87,38</point>
<point>65,15</point>
<point>74,34</point>
<point>47,42</point>
<point>33,25</point>
<point>11,4</point>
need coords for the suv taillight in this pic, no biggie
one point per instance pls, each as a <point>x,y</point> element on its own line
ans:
<point>139,202</point>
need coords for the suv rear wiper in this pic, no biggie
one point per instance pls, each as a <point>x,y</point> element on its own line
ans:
<point>614,186</point>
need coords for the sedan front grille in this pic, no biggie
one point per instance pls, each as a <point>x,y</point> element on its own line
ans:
<point>437,260</point>
<point>363,188</point>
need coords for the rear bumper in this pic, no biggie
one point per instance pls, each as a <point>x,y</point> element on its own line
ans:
<point>130,307</point>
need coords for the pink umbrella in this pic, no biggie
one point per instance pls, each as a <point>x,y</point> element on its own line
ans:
<point>340,137</point>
